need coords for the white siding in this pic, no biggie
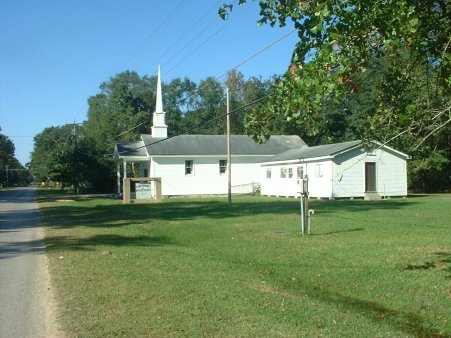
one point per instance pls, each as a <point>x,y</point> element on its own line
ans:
<point>391,173</point>
<point>343,176</point>
<point>320,186</point>
<point>349,173</point>
<point>277,185</point>
<point>206,179</point>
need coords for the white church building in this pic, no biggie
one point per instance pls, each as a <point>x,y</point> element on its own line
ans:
<point>197,164</point>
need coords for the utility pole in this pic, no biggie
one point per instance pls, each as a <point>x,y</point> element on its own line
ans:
<point>74,133</point>
<point>7,179</point>
<point>229,151</point>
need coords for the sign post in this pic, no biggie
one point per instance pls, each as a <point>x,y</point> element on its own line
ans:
<point>146,190</point>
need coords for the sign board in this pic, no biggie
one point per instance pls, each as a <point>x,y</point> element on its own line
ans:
<point>143,191</point>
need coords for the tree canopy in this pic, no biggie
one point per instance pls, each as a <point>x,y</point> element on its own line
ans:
<point>364,69</point>
<point>122,110</point>
<point>11,171</point>
<point>338,41</point>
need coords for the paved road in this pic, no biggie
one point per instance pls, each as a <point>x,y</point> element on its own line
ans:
<point>24,280</point>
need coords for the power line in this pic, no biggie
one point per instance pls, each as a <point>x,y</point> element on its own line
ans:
<point>197,48</point>
<point>153,33</point>
<point>125,132</point>
<point>261,51</point>
<point>244,61</point>
<point>187,32</point>
<point>200,124</point>
<point>186,131</point>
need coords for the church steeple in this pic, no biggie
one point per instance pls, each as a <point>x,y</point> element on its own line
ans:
<point>159,128</point>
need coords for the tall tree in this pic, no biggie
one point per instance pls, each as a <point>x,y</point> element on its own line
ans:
<point>120,111</point>
<point>337,41</point>
<point>123,102</point>
<point>11,171</point>
<point>178,99</point>
<point>209,103</point>
<point>58,156</point>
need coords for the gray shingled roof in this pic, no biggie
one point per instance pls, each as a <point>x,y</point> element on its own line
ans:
<point>312,152</point>
<point>217,145</point>
<point>132,149</point>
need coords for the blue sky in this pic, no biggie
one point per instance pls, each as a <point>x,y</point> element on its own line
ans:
<point>54,54</point>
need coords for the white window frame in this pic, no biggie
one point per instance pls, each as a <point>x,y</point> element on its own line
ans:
<point>222,167</point>
<point>300,171</point>
<point>283,172</point>
<point>290,172</point>
<point>319,170</point>
<point>268,173</point>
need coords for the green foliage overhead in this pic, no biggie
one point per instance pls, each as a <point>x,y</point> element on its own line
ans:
<point>365,70</point>
<point>338,41</point>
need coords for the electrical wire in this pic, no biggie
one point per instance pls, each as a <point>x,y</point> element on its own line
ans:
<point>153,33</point>
<point>190,94</point>
<point>200,124</point>
<point>197,48</point>
<point>241,63</point>
<point>125,132</point>
<point>186,131</point>
<point>260,51</point>
<point>188,31</point>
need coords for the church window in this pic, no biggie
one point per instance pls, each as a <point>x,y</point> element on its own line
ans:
<point>222,166</point>
<point>268,173</point>
<point>283,172</point>
<point>300,171</point>
<point>189,167</point>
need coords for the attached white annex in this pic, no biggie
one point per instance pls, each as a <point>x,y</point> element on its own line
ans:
<point>337,170</point>
<point>197,164</point>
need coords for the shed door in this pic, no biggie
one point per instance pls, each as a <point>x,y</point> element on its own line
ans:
<point>370,177</point>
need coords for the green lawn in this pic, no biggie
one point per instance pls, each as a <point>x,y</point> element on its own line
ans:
<point>202,268</point>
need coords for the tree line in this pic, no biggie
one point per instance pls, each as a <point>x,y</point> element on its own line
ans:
<point>361,70</point>
<point>12,173</point>
<point>81,156</point>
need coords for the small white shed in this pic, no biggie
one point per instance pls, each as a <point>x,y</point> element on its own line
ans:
<point>340,170</point>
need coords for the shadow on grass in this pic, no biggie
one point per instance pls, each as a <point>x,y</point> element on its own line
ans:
<point>445,258</point>
<point>337,232</point>
<point>63,243</point>
<point>408,322</point>
<point>441,261</point>
<point>110,213</point>
<point>56,243</point>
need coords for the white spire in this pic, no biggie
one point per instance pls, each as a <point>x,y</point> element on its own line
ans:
<point>159,128</point>
<point>159,104</point>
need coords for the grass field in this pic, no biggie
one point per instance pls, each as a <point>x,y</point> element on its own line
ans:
<point>202,268</point>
